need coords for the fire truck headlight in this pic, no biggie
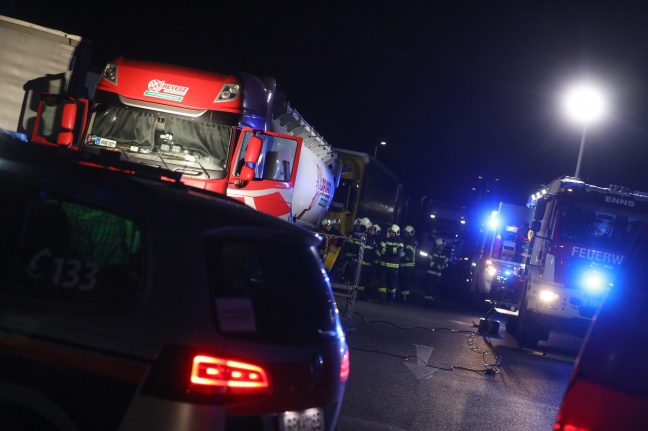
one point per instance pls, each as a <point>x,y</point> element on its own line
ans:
<point>594,282</point>
<point>423,253</point>
<point>491,270</point>
<point>548,296</point>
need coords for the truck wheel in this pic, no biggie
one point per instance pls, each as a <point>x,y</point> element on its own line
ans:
<point>527,337</point>
<point>512,325</point>
<point>530,330</point>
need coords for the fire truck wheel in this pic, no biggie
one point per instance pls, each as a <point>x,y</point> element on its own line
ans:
<point>528,337</point>
<point>530,330</point>
<point>512,325</point>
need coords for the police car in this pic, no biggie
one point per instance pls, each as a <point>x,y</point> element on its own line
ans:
<point>608,388</point>
<point>129,301</point>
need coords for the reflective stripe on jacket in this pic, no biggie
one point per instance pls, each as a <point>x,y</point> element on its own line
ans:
<point>389,252</point>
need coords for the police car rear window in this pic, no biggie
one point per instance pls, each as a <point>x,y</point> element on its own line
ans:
<point>269,291</point>
<point>56,247</point>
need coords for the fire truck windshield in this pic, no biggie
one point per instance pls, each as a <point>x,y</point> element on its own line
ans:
<point>182,143</point>
<point>597,227</point>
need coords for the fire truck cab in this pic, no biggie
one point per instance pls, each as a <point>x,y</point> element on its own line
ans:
<point>580,235</point>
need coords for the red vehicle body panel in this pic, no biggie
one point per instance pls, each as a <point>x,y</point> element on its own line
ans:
<point>172,85</point>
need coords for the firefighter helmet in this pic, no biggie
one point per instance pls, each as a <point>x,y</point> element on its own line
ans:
<point>395,228</point>
<point>365,222</point>
<point>326,222</point>
<point>376,229</point>
<point>439,242</point>
<point>409,230</point>
<point>356,221</point>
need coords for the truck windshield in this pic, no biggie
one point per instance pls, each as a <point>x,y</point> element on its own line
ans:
<point>596,227</point>
<point>194,147</point>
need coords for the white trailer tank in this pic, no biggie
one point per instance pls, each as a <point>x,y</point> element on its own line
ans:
<point>317,171</point>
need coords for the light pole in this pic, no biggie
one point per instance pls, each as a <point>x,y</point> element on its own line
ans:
<point>584,104</point>
<point>376,149</point>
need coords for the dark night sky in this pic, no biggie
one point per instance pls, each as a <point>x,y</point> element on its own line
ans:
<point>458,89</point>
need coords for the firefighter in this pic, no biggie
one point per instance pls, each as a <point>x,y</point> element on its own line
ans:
<point>390,250</point>
<point>335,229</point>
<point>325,232</point>
<point>367,275</point>
<point>354,244</point>
<point>438,262</point>
<point>407,262</point>
<point>377,232</point>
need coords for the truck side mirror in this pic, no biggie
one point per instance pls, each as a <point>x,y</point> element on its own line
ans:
<point>68,116</point>
<point>250,159</point>
<point>253,150</point>
<point>247,173</point>
<point>67,123</point>
<point>538,214</point>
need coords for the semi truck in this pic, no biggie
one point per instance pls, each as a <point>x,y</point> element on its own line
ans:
<point>578,238</point>
<point>366,188</point>
<point>227,133</point>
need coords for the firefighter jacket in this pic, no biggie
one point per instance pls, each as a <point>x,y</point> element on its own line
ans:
<point>356,239</point>
<point>408,255</point>
<point>389,252</point>
<point>438,262</point>
<point>369,254</point>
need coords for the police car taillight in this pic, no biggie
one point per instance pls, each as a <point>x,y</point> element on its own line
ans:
<point>345,367</point>
<point>195,375</point>
<point>212,375</point>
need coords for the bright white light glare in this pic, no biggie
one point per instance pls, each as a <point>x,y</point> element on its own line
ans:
<point>594,282</point>
<point>548,296</point>
<point>491,270</point>
<point>585,103</point>
<point>423,253</point>
<point>493,220</point>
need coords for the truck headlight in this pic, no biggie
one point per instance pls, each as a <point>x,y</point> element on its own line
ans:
<point>229,92</point>
<point>110,73</point>
<point>548,296</point>
<point>594,282</point>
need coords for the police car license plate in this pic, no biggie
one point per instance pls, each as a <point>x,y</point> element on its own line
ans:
<point>306,420</point>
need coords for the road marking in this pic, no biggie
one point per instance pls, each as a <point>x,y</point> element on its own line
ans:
<point>418,365</point>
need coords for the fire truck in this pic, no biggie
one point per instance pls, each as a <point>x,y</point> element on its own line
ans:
<point>503,249</point>
<point>578,238</point>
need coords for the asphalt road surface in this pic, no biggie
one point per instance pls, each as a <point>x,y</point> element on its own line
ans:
<point>418,368</point>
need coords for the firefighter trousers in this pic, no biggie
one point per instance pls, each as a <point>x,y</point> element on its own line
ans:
<point>432,282</point>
